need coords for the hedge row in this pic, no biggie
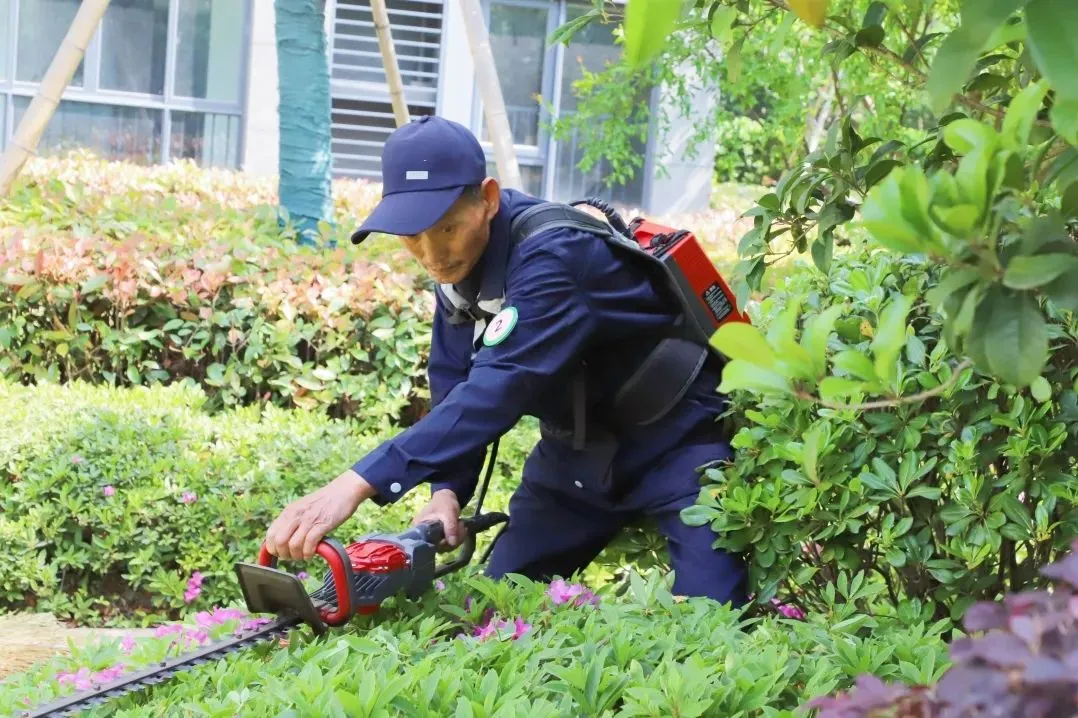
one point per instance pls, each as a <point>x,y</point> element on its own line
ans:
<point>925,505</point>
<point>112,499</point>
<point>477,648</point>
<point>170,274</point>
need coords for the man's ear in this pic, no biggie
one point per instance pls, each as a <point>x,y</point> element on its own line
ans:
<point>492,196</point>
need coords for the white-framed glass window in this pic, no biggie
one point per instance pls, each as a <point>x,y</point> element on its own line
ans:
<point>533,73</point>
<point>160,79</point>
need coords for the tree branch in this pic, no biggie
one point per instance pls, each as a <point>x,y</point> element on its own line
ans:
<point>889,403</point>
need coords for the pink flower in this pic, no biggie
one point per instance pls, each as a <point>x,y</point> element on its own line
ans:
<point>520,628</point>
<point>76,459</point>
<point>127,644</point>
<point>165,629</point>
<point>80,680</point>
<point>302,575</point>
<point>788,610</point>
<point>199,636</point>
<point>108,490</point>
<point>439,585</point>
<point>486,631</point>
<point>108,674</point>
<point>194,587</point>
<point>189,497</point>
<point>251,624</point>
<point>219,616</point>
<point>491,628</point>
<point>561,592</point>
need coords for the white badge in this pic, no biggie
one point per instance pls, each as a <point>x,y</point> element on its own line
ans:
<point>500,326</point>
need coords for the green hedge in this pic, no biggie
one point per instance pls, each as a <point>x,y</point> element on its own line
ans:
<point>641,654</point>
<point>929,505</point>
<point>112,498</point>
<point>172,275</point>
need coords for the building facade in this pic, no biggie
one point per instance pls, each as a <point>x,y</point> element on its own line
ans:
<point>197,79</point>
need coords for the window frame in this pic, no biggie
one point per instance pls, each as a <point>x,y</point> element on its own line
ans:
<point>91,93</point>
<point>545,155</point>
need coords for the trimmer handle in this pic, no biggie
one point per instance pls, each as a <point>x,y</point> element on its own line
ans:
<point>340,568</point>
<point>474,525</point>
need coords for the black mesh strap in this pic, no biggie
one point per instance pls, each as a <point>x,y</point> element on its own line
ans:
<point>552,215</point>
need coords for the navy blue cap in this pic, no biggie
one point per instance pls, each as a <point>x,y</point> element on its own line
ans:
<point>426,164</point>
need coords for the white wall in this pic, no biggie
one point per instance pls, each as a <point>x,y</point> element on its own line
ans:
<point>456,86</point>
<point>260,124</point>
<point>686,186</point>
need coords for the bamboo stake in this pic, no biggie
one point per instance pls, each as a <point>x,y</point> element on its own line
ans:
<point>62,68</point>
<point>389,61</point>
<point>491,91</point>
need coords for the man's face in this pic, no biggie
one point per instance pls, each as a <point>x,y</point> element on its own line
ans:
<point>453,245</point>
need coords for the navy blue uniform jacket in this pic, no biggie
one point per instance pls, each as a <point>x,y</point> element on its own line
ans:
<point>576,297</point>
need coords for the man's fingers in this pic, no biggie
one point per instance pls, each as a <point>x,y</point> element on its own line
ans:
<point>297,539</point>
<point>314,535</point>
<point>279,532</point>
<point>449,526</point>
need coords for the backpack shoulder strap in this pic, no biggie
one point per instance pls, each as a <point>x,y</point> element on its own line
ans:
<point>550,215</point>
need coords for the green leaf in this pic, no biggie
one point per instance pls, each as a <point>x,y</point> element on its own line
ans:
<point>741,374</point>
<point>94,283</point>
<point>959,51</point>
<point>854,362</point>
<point>740,340</point>
<point>1069,203</point>
<point>1064,116</point>
<point>1030,272</point>
<point>812,12</point>
<point>835,387</point>
<point>890,337</point>
<point>955,280</point>
<point>814,339</point>
<point>1041,389</point>
<point>648,24</point>
<point>966,135</point>
<point>1021,113</point>
<point>932,493</point>
<point>1016,343</point>
<point>1052,27</point>
<point>1064,291</point>
<point>810,452</point>
<point>722,21</point>
<point>882,215</point>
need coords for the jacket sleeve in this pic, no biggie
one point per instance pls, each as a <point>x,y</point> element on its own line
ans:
<point>553,324</point>
<point>450,359</point>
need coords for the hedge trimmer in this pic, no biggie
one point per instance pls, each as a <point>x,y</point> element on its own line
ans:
<point>362,575</point>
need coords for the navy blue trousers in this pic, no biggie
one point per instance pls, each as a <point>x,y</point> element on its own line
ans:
<point>557,527</point>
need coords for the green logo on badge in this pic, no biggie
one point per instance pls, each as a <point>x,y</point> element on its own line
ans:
<point>500,326</point>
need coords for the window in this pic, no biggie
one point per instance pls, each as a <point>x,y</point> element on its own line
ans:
<point>537,77</point>
<point>42,26</point>
<point>160,79</point>
<point>5,44</point>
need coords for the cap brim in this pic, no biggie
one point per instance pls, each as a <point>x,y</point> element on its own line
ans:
<point>407,213</point>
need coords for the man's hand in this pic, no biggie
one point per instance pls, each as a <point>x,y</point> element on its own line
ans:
<point>443,506</point>
<point>296,532</point>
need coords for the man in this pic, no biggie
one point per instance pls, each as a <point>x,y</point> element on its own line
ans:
<point>559,309</point>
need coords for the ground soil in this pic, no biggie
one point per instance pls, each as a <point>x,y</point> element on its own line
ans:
<point>30,638</point>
